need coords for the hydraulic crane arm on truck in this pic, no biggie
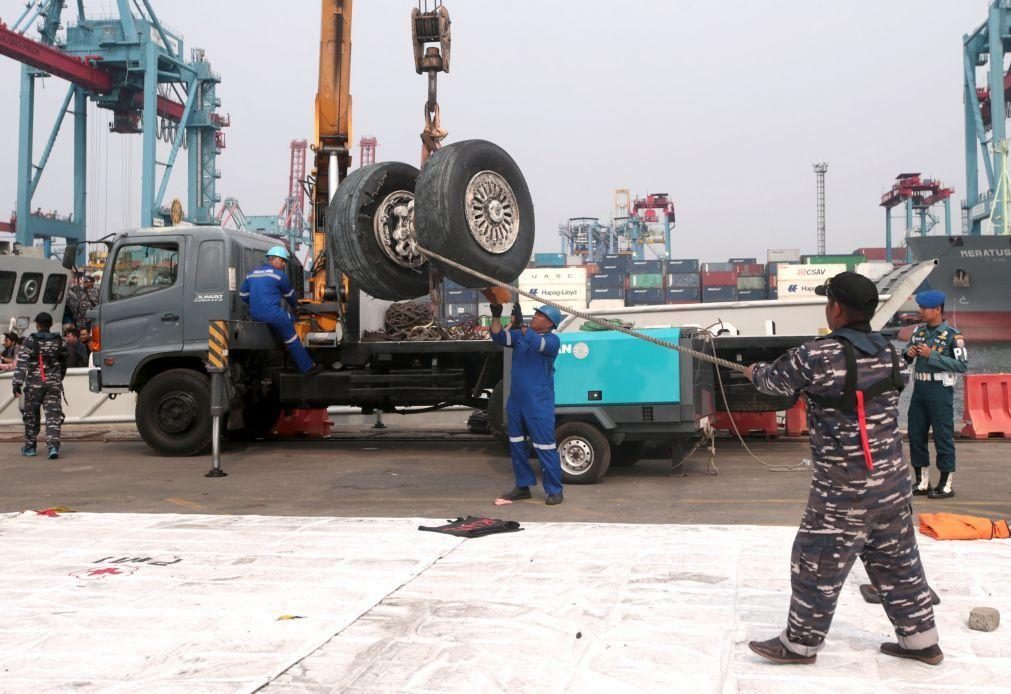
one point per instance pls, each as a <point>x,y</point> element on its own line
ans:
<point>170,313</point>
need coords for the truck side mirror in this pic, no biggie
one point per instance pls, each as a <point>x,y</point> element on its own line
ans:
<point>70,256</point>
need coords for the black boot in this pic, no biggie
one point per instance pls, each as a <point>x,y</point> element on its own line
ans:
<point>921,485</point>
<point>944,488</point>
<point>516,494</point>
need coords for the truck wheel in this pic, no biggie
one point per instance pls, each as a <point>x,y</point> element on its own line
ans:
<point>584,451</point>
<point>173,412</point>
<point>497,418</point>
<point>627,453</point>
<point>370,232</point>
<point>474,207</point>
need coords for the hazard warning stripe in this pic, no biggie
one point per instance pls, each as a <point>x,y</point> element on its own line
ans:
<point>217,345</point>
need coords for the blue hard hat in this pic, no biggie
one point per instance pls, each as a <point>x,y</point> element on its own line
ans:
<point>552,313</point>
<point>279,252</point>
<point>930,299</point>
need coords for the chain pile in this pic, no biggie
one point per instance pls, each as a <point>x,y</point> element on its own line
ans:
<point>413,321</point>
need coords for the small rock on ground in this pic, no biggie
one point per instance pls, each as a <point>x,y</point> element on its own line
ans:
<point>984,619</point>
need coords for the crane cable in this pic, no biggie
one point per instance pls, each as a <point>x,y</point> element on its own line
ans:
<point>613,325</point>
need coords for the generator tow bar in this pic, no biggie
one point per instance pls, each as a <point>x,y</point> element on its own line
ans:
<point>701,356</point>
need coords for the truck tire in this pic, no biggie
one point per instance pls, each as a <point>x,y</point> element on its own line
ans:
<point>474,207</point>
<point>173,412</point>
<point>370,232</point>
<point>627,453</point>
<point>497,417</point>
<point>584,451</point>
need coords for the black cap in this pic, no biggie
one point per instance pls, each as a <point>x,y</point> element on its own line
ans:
<point>851,290</point>
<point>44,319</point>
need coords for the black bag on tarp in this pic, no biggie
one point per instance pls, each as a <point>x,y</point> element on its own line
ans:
<point>473,526</point>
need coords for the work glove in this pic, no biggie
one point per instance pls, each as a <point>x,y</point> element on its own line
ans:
<point>517,315</point>
<point>17,391</point>
<point>496,310</point>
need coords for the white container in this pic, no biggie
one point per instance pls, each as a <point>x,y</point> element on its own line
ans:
<point>563,285</point>
<point>574,260</point>
<point>783,255</point>
<point>800,281</point>
<point>874,271</point>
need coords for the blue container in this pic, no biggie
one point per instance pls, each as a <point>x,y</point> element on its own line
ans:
<point>450,284</point>
<point>682,294</point>
<point>455,312</point>
<point>607,293</point>
<point>774,293</point>
<point>678,279</point>
<point>683,265</point>
<point>460,296</point>
<point>621,258</point>
<point>549,259</point>
<point>645,267</point>
<point>607,279</point>
<point>752,294</point>
<point>644,297</point>
<point>618,266</point>
<point>719,293</point>
<point>743,261</point>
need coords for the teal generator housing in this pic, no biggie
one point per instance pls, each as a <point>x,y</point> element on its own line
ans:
<point>611,368</point>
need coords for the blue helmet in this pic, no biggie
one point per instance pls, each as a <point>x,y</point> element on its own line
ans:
<point>552,314</point>
<point>279,252</point>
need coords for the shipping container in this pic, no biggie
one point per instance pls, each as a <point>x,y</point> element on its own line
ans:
<point>618,261</point>
<point>645,266</point>
<point>783,255</point>
<point>875,254</point>
<point>612,266</point>
<point>773,293</point>
<point>566,286</point>
<point>743,261</point>
<point>752,294</point>
<point>679,279</point>
<point>752,270</point>
<point>644,297</point>
<point>850,261</point>
<point>592,268</point>
<point>645,280</point>
<point>448,284</point>
<point>549,259</point>
<point>753,283</point>
<point>719,279</point>
<point>607,279</point>
<point>607,293</point>
<point>460,296</point>
<point>718,267</point>
<point>683,295</point>
<point>683,265</point>
<point>719,293</point>
<point>457,310</point>
<point>800,281</point>
<point>575,260</point>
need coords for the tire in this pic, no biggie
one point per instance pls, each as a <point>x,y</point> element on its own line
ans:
<point>173,412</point>
<point>494,232</point>
<point>584,451</point>
<point>354,222</point>
<point>627,453</point>
<point>497,417</point>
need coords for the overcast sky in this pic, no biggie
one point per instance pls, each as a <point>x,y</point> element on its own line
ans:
<point>723,105</point>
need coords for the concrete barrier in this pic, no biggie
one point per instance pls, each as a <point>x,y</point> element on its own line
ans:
<point>987,410</point>
<point>81,407</point>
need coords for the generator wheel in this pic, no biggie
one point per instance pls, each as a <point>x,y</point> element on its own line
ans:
<point>627,453</point>
<point>370,232</point>
<point>171,412</point>
<point>584,451</point>
<point>473,206</point>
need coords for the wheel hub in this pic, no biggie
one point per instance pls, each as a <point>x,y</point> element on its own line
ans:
<point>576,455</point>
<point>493,215</point>
<point>394,229</point>
<point>176,412</point>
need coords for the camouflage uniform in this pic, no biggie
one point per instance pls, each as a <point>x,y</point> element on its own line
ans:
<point>80,300</point>
<point>41,366</point>
<point>852,510</point>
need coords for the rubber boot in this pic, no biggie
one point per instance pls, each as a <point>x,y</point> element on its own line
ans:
<point>921,486</point>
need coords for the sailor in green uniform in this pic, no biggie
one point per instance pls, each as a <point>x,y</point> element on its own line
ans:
<point>939,352</point>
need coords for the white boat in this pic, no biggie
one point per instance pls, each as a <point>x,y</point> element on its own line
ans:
<point>30,285</point>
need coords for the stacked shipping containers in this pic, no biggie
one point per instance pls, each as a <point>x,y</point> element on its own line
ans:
<point>684,285</point>
<point>608,283</point>
<point>645,283</point>
<point>751,282</point>
<point>719,282</point>
<point>458,302</point>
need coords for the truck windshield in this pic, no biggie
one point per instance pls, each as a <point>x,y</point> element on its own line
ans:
<point>144,268</point>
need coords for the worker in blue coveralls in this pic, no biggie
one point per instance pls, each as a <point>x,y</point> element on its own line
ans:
<point>939,352</point>
<point>266,289</point>
<point>531,406</point>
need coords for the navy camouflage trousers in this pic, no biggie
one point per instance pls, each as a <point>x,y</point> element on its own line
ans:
<point>829,540</point>
<point>48,398</point>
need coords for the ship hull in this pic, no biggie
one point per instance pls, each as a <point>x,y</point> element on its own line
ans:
<point>975,274</point>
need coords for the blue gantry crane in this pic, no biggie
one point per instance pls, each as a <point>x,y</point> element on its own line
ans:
<point>986,109</point>
<point>135,67</point>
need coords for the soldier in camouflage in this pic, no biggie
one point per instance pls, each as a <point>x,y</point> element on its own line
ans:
<point>859,504</point>
<point>82,297</point>
<point>38,375</point>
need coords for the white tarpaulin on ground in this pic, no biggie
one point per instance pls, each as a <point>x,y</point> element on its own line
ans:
<point>199,603</point>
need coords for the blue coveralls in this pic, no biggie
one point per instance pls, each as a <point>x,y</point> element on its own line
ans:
<point>531,406</point>
<point>931,406</point>
<point>266,289</point>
